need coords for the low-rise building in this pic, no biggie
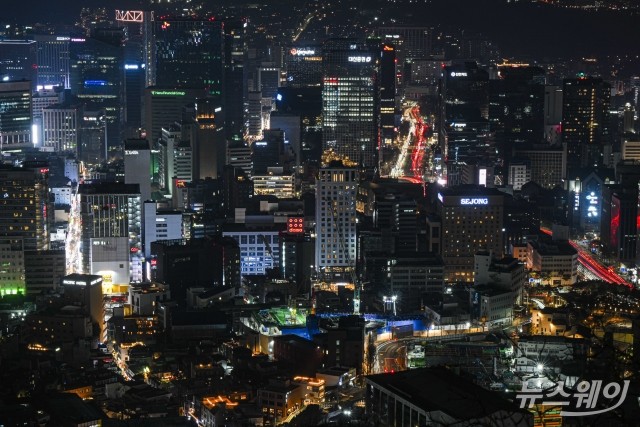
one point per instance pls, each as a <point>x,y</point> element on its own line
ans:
<point>402,398</point>
<point>556,262</point>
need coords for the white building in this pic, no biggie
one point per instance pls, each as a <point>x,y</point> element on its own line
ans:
<point>556,263</point>
<point>336,221</point>
<point>519,175</point>
<point>60,127</point>
<point>259,248</point>
<point>137,165</point>
<point>160,225</point>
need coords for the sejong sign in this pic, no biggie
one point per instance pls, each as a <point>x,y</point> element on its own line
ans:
<point>475,201</point>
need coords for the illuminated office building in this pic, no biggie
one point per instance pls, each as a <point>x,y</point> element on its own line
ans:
<point>53,60</point>
<point>472,220</point>
<point>25,206</point>
<point>60,125</point>
<point>585,120</point>
<point>12,273</point>
<point>96,77</point>
<point>15,115</point>
<point>349,97</point>
<point>109,232</point>
<point>336,222</point>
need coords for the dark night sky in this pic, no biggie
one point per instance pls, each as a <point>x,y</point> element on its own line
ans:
<point>524,28</point>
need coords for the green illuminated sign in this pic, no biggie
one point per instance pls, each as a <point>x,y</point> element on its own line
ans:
<point>167,93</point>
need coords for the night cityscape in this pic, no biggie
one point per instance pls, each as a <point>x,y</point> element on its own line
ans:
<point>397,213</point>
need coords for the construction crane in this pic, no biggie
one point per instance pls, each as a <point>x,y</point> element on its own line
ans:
<point>345,250</point>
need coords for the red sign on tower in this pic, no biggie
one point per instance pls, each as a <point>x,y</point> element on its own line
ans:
<point>295,225</point>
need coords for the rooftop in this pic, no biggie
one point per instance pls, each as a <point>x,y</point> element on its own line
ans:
<point>446,392</point>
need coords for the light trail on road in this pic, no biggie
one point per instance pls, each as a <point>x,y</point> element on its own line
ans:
<point>593,265</point>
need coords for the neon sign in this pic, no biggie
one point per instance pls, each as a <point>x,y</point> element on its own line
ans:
<point>359,59</point>
<point>475,201</point>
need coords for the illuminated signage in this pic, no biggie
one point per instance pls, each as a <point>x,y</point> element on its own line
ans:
<point>359,59</point>
<point>302,52</point>
<point>63,39</point>
<point>475,201</point>
<point>168,93</point>
<point>131,152</point>
<point>181,183</point>
<point>440,197</point>
<point>295,225</point>
<point>458,74</point>
<point>388,48</point>
<point>77,40</point>
<point>482,179</point>
<point>131,66</point>
<point>81,283</point>
<point>95,83</point>
<point>129,16</point>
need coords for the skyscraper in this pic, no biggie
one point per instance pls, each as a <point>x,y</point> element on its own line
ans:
<point>96,74</point>
<point>189,53</point>
<point>585,120</point>
<point>349,97</point>
<point>107,233</point>
<point>60,126</point>
<point>53,60</point>
<point>336,222</point>
<point>25,206</point>
<point>15,115</point>
<point>19,60</point>
<point>465,102</point>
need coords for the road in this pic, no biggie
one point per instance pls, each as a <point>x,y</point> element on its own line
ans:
<point>391,356</point>
<point>592,265</point>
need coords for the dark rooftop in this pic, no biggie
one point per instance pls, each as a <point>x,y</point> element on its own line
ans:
<point>439,389</point>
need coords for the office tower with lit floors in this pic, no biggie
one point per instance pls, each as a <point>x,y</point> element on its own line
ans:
<point>15,115</point>
<point>585,120</point>
<point>464,126</point>
<point>105,236</point>
<point>336,189</point>
<point>350,101</point>
<point>472,220</point>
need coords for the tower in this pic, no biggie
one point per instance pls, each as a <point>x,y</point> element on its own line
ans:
<point>336,222</point>
<point>585,120</point>
<point>350,100</point>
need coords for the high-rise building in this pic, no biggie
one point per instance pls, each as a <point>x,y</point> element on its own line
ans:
<point>96,77</point>
<point>237,191</point>
<point>93,138</point>
<point>189,53</point>
<point>19,60</point>
<point>336,189</point>
<point>209,144</point>
<point>165,106</point>
<point>291,126</point>
<point>387,94</point>
<point>516,107</point>
<point>304,66</point>
<point>239,156</point>
<point>134,77</point>
<point>585,120</point>
<point>15,115</point>
<point>12,275</point>
<point>109,232</point>
<point>411,43</point>
<point>53,60</point>
<point>235,47</point>
<point>465,121</point>
<point>25,206</point>
<point>160,224</point>
<point>60,127</point>
<point>350,101</point>
<point>472,220</point>
<point>137,166</point>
